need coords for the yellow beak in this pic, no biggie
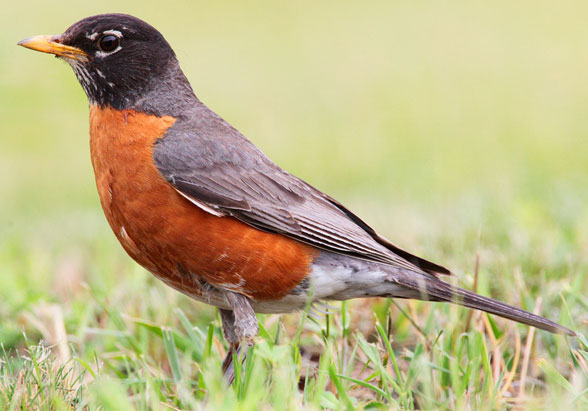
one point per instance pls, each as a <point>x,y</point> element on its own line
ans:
<point>52,44</point>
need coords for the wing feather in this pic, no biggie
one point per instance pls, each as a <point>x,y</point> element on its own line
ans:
<point>224,173</point>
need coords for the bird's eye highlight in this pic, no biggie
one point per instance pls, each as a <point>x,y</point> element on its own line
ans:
<point>108,43</point>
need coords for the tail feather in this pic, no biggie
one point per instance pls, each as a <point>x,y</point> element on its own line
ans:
<point>437,290</point>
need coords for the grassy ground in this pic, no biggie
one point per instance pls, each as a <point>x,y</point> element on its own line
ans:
<point>458,130</point>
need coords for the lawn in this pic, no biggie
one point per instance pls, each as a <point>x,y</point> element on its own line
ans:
<point>457,129</point>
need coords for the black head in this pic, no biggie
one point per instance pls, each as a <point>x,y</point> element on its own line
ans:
<point>118,59</point>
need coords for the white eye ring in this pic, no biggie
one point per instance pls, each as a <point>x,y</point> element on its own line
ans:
<point>115,33</point>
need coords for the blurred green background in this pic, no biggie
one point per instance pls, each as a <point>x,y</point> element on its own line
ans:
<point>450,126</point>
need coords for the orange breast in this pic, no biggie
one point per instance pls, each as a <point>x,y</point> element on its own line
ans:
<point>174,239</point>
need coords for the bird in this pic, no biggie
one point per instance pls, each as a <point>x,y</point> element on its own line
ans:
<point>197,204</point>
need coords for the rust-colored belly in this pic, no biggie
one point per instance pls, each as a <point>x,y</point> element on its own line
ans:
<point>174,239</point>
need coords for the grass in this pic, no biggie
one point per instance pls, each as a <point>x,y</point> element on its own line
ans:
<point>458,130</point>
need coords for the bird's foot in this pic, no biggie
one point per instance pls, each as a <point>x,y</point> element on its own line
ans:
<point>239,353</point>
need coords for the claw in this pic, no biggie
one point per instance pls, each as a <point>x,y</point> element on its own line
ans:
<point>228,366</point>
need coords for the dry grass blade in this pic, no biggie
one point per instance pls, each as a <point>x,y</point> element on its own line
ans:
<point>48,320</point>
<point>475,287</point>
<point>510,374</point>
<point>527,355</point>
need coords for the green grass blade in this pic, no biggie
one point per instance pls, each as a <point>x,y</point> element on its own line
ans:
<point>339,387</point>
<point>172,355</point>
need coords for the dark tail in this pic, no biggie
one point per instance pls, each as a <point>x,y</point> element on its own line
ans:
<point>437,290</point>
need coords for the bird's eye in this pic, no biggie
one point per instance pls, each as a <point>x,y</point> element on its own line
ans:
<point>108,43</point>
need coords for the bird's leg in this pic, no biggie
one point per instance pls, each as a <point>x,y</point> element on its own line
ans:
<point>228,321</point>
<point>240,328</point>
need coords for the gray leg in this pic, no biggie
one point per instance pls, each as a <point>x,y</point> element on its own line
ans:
<point>240,328</point>
<point>228,320</point>
<point>246,326</point>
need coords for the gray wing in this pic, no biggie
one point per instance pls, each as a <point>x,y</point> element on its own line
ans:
<point>217,168</point>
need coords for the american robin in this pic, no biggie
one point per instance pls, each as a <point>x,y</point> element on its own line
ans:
<point>198,205</point>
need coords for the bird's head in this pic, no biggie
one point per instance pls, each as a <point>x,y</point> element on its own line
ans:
<point>118,59</point>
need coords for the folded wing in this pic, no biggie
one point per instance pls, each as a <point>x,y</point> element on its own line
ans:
<point>221,171</point>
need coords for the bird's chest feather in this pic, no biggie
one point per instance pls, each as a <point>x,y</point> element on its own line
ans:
<point>177,241</point>
<point>121,145</point>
